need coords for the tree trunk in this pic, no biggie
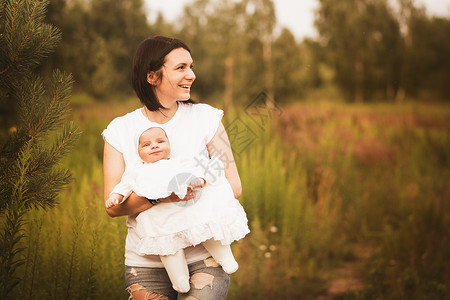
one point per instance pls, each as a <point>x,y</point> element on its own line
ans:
<point>359,68</point>
<point>269,78</point>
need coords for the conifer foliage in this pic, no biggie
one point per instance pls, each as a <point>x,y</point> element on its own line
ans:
<point>34,133</point>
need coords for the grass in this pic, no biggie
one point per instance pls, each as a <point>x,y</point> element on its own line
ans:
<point>327,187</point>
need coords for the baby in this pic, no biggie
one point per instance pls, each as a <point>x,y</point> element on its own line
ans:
<point>214,218</point>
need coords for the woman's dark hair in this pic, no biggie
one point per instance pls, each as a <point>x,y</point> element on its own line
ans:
<point>149,57</point>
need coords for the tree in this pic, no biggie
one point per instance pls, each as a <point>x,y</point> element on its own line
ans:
<point>406,16</point>
<point>288,64</point>
<point>234,47</point>
<point>37,136</point>
<point>119,28</point>
<point>262,32</point>
<point>339,26</point>
<point>99,41</point>
<point>436,62</point>
<point>361,40</point>
<point>425,61</point>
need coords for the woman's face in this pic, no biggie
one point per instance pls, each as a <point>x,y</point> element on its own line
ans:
<point>177,77</point>
<point>153,145</point>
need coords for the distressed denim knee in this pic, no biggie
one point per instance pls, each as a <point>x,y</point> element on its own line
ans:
<point>208,281</point>
<point>148,283</point>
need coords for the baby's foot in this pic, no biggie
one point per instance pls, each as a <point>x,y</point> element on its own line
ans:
<point>181,285</point>
<point>229,266</point>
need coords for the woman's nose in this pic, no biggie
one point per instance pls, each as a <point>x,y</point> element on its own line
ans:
<point>190,74</point>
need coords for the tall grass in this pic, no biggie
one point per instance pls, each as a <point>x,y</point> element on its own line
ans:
<point>325,187</point>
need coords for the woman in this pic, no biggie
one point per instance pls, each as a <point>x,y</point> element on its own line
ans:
<point>162,79</point>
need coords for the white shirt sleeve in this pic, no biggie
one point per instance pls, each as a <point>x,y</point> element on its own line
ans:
<point>211,117</point>
<point>112,134</point>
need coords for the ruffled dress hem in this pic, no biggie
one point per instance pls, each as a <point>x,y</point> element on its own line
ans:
<point>170,244</point>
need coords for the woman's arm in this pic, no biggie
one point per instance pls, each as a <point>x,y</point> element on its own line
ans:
<point>113,169</point>
<point>220,146</point>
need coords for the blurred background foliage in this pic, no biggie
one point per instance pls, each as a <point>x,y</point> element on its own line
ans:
<point>365,50</point>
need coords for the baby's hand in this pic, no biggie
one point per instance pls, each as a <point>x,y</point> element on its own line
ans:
<point>113,200</point>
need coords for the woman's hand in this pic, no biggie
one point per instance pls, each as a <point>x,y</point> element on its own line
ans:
<point>174,198</point>
<point>192,188</point>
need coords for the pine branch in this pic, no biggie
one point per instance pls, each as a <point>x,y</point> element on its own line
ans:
<point>47,159</point>
<point>32,12</point>
<point>11,35</point>
<point>9,239</point>
<point>12,234</point>
<point>44,183</point>
<point>13,19</point>
<point>30,93</point>
<point>2,7</point>
<point>51,185</point>
<point>59,149</point>
<point>57,105</point>
<point>9,29</point>
<point>40,112</point>
<point>28,159</point>
<point>30,243</point>
<point>9,153</point>
<point>27,47</point>
<point>46,46</point>
<point>44,158</point>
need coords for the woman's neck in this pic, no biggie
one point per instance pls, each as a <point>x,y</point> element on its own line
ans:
<point>161,116</point>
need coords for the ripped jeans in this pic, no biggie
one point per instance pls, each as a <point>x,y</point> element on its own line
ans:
<point>207,279</point>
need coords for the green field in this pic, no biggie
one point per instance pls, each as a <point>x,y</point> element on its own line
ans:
<point>344,202</point>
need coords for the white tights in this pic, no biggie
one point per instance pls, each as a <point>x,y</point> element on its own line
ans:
<point>176,265</point>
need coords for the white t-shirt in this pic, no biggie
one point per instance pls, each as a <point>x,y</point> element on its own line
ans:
<point>190,129</point>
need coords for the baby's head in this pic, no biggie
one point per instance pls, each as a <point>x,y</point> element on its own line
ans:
<point>153,145</point>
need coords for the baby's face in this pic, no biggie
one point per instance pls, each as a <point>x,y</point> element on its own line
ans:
<point>154,145</point>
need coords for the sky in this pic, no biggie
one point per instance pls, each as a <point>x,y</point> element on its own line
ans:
<point>296,15</point>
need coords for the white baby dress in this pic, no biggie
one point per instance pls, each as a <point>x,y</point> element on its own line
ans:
<point>168,227</point>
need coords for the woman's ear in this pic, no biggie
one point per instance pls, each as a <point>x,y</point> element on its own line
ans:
<point>152,78</point>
